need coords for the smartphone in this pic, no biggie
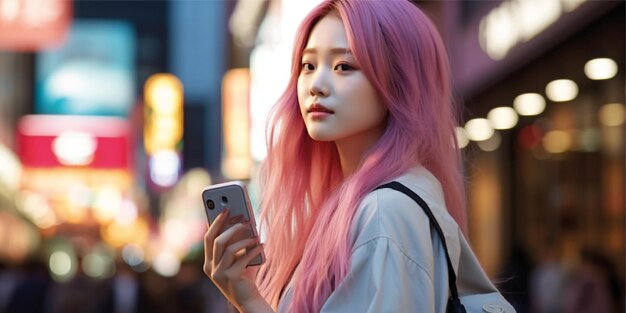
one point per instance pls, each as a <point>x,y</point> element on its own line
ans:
<point>234,196</point>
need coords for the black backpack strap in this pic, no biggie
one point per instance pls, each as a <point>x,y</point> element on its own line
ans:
<point>454,295</point>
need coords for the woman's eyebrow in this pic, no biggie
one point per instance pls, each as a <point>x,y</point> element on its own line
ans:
<point>331,50</point>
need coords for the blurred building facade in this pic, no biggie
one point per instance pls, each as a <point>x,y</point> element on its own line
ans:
<point>542,87</point>
<point>92,94</point>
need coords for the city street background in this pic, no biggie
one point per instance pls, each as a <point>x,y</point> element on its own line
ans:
<point>114,115</point>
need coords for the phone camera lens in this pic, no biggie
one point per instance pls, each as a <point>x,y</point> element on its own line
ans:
<point>224,200</point>
<point>210,204</point>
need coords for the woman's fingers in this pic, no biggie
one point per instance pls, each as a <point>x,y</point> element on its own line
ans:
<point>226,238</point>
<point>216,227</point>
<point>214,230</point>
<point>230,272</point>
<point>245,259</point>
<point>235,251</point>
<point>209,238</point>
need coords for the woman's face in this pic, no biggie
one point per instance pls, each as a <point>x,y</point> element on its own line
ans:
<point>336,100</point>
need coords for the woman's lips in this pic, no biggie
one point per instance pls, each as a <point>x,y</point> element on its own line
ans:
<point>318,115</point>
<point>316,107</point>
<point>319,112</point>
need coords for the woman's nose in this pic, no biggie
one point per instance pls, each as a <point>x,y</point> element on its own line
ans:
<point>319,84</point>
<point>317,91</point>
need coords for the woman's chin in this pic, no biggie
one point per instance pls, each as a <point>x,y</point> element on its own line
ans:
<point>319,136</point>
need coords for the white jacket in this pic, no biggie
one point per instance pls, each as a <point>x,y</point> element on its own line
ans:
<point>398,262</point>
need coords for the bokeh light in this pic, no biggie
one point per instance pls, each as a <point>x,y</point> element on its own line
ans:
<point>461,137</point>
<point>166,264</point>
<point>600,68</point>
<point>62,266</point>
<point>502,118</point>
<point>529,104</point>
<point>612,114</point>
<point>478,129</point>
<point>557,141</point>
<point>491,144</point>
<point>561,90</point>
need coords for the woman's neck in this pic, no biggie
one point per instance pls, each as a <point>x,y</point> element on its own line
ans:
<point>352,149</point>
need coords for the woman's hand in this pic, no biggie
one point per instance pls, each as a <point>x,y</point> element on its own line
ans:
<point>225,264</point>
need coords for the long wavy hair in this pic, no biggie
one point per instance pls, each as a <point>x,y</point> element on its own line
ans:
<point>308,205</point>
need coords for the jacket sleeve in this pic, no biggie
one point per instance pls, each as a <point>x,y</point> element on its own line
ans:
<point>382,278</point>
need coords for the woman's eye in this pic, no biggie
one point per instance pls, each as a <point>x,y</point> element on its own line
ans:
<point>343,67</point>
<point>307,66</point>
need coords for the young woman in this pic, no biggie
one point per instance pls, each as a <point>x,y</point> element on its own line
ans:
<point>368,102</point>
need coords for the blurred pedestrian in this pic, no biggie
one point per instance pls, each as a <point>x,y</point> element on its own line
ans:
<point>123,293</point>
<point>547,280</point>
<point>32,281</point>
<point>592,286</point>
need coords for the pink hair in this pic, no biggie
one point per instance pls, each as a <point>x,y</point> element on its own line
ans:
<point>308,205</point>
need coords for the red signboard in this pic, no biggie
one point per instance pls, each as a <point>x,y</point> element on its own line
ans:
<point>31,25</point>
<point>77,141</point>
